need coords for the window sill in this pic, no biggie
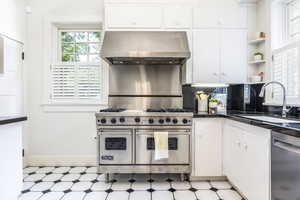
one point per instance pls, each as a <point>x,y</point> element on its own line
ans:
<point>80,108</point>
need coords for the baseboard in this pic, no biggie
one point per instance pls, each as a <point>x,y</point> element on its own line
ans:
<point>208,178</point>
<point>64,160</point>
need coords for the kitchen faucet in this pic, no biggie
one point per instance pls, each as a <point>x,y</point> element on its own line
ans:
<point>285,110</point>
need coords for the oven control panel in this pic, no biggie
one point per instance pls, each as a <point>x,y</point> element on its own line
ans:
<point>138,121</point>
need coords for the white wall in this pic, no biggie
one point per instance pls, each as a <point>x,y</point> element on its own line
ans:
<point>55,138</point>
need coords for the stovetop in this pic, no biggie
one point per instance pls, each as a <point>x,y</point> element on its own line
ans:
<point>119,116</point>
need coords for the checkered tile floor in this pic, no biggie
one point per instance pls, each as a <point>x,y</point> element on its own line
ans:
<point>83,183</point>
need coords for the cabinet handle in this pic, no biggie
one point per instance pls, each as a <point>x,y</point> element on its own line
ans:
<point>246,147</point>
<point>238,143</point>
<point>215,74</point>
<point>223,74</point>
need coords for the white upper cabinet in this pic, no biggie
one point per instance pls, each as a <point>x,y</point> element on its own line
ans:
<point>206,62</point>
<point>232,14</point>
<point>123,16</point>
<point>224,14</point>
<point>233,56</point>
<point>177,17</point>
<point>207,15</point>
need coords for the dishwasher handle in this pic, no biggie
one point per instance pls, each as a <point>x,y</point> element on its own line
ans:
<point>286,146</point>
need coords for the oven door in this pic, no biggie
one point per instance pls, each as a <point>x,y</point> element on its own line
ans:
<point>179,147</point>
<point>115,147</point>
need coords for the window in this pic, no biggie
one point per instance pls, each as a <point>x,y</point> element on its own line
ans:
<point>294,20</point>
<point>76,76</point>
<point>286,51</point>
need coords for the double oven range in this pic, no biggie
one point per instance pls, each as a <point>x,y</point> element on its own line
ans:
<point>146,72</point>
<point>126,142</point>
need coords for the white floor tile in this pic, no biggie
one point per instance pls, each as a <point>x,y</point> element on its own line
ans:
<point>161,185</point>
<point>61,170</point>
<point>118,196</point>
<point>201,185</point>
<point>28,170</point>
<point>88,177</point>
<point>70,177</point>
<point>229,195</point>
<point>162,195</point>
<point>62,186</point>
<point>207,195</point>
<point>100,186</point>
<point>220,184</point>
<point>27,185</point>
<point>140,195</point>
<point>52,177</point>
<point>121,185</point>
<point>81,186</point>
<point>34,177</point>
<point>96,196</point>
<point>31,196</point>
<point>52,196</point>
<point>184,195</point>
<point>92,170</point>
<point>74,196</point>
<point>181,185</point>
<point>141,186</point>
<point>101,178</point>
<point>40,187</point>
<point>45,170</point>
<point>78,170</point>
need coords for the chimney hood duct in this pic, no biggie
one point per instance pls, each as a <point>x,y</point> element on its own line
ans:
<point>145,47</point>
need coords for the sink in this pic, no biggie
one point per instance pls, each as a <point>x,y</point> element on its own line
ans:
<point>270,119</point>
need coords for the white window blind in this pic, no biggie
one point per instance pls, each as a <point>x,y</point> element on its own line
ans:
<point>76,82</point>
<point>294,20</point>
<point>285,69</point>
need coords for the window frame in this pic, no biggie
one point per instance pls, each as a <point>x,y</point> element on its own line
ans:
<point>52,24</point>
<point>281,42</point>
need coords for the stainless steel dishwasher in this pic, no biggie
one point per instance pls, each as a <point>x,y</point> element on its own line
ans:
<point>285,167</point>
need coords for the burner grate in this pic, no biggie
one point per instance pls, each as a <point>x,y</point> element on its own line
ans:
<point>168,110</point>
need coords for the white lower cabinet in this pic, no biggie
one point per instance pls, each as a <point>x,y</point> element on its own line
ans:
<point>246,159</point>
<point>207,149</point>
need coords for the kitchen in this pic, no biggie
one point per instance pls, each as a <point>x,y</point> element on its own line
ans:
<point>84,85</point>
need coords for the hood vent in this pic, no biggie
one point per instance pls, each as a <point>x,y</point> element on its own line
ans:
<point>145,48</point>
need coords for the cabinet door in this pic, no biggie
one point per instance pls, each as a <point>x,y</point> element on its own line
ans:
<point>257,151</point>
<point>206,62</point>
<point>208,147</point>
<point>207,14</point>
<point>177,17</point>
<point>232,14</point>
<point>133,17</point>
<point>233,56</point>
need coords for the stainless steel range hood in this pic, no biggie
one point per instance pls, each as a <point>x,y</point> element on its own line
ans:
<point>145,48</point>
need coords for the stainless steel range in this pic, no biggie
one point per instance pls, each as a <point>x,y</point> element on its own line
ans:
<point>145,75</point>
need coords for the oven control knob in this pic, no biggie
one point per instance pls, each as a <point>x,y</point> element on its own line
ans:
<point>161,121</point>
<point>113,120</point>
<point>175,121</point>
<point>185,121</point>
<point>103,120</point>
<point>151,121</point>
<point>168,119</point>
<point>137,120</point>
<point>122,119</point>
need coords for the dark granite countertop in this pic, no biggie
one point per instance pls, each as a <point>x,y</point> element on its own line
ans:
<point>292,129</point>
<point>12,119</point>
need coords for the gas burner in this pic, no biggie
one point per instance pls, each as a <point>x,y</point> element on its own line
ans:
<point>113,110</point>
